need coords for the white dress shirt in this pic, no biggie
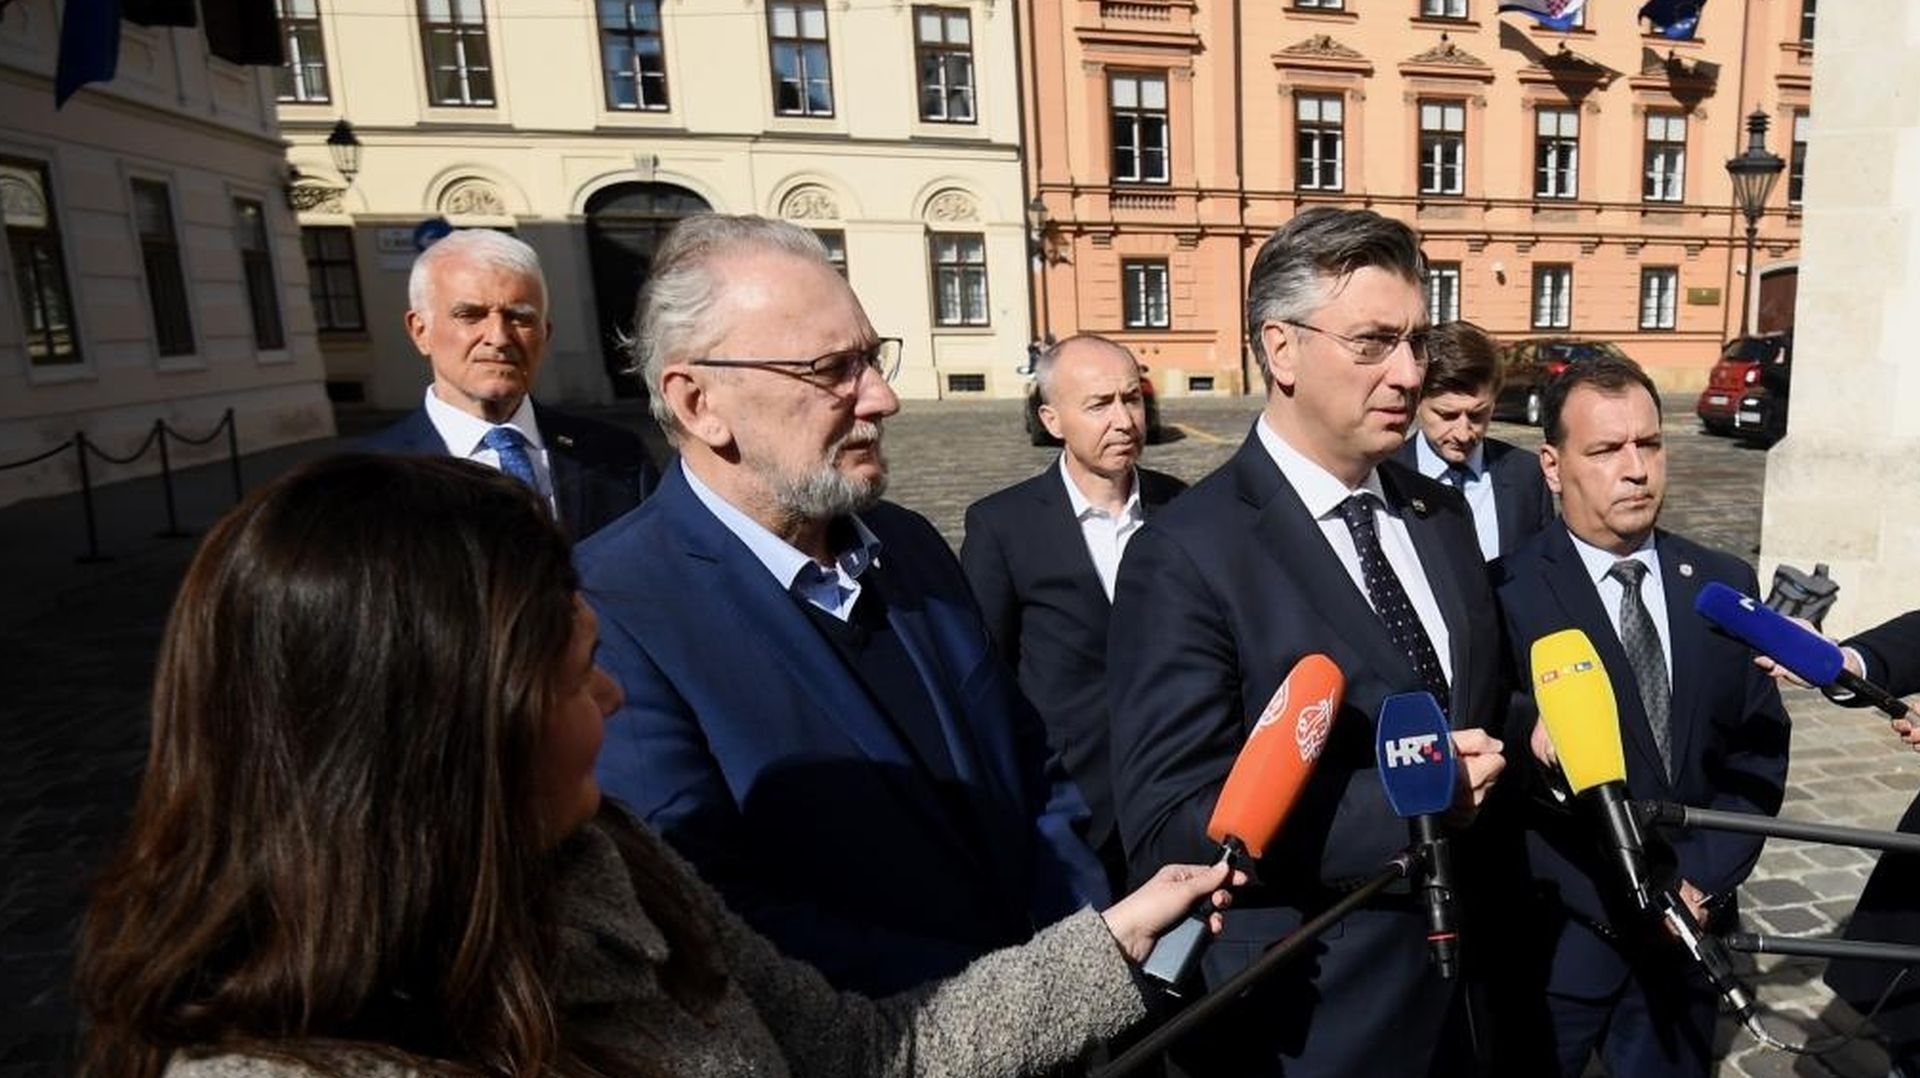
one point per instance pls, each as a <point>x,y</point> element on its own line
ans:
<point>1478,489</point>
<point>833,589</point>
<point>464,433</point>
<point>1106,535</point>
<point>1653,593</point>
<point>1323,493</point>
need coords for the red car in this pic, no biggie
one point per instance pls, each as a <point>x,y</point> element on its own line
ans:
<point>1746,364</point>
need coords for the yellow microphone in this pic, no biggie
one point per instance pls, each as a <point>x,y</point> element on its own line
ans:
<point>1577,705</point>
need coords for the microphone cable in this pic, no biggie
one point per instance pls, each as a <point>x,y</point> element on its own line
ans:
<point>1826,1045</point>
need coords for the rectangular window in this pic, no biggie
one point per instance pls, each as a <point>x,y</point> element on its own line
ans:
<point>1666,157</point>
<point>1556,154</point>
<point>943,44</point>
<point>1144,294</point>
<point>1139,113</point>
<point>1552,297</point>
<point>966,383</point>
<point>633,54</point>
<point>39,264</point>
<point>1443,292</point>
<point>303,77</point>
<point>1806,22</point>
<point>1443,9</point>
<point>959,279</point>
<point>333,279</point>
<point>256,261</point>
<point>1797,159</point>
<point>1320,137</point>
<point>802,73</point>
<point>160,256</point>
<point>1659,291</point>
<point>1443,147</point>
<point>459,65</point>
<point>1323,5</point>
<point>835,241</point>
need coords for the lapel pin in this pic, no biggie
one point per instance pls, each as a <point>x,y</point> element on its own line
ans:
<point>1419,505</point>
<point>1686,569</point>
<point>563,441</point>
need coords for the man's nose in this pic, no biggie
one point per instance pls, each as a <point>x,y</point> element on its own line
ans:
<point>874,396</point>
<point>1402,368</point>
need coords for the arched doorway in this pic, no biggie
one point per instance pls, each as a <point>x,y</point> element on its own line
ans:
<point>625,224</point>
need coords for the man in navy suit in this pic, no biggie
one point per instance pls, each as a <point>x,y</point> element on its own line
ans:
<point>1311,539</point>
<point>815,715</point>
<point>1042,554</point>
<point>1501,481</point>
<point>477,310</point>
<point>1702,725</point>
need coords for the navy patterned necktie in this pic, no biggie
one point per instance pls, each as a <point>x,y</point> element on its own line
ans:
<point>1390,598</point>
<point>1456,477</point>
<point>1645,656</point>
<point>511,446</point>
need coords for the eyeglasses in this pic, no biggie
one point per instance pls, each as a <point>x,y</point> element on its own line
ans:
<point>1371,348</point>
<point>831,371</point>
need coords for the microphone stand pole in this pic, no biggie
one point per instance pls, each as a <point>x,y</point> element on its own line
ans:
<point>1400,867</point>
<point>1823,948</point>
<point>1668,814</point>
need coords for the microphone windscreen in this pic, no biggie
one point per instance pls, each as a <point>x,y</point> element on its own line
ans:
<point>1414,747</point>
<point>1279,755</point>
<point>1814,658</point>
<point>1576,702</point>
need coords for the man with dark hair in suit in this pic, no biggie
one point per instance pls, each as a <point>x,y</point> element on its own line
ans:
<point>815,715</point>
<point>1042,554</point>
<point>1501,481</point>
<point>1311,539</point>
<point>477,310</point>
<point>1700,723</point>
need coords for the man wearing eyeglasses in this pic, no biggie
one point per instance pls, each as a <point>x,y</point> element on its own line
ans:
<point>1311,539</point>
<point>814,714</point>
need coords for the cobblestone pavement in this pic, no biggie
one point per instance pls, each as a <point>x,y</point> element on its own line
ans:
<point>78,644</point>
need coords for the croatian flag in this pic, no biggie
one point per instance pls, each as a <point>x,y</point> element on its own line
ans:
<point>1674,19</point>
<point>1553,14</point>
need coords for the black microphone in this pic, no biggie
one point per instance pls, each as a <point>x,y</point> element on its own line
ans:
<point>1414,749</point>
<point>1712,958</point>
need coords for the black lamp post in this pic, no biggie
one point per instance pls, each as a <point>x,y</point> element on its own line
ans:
<point>344,147</point>
<point>1754,173</point>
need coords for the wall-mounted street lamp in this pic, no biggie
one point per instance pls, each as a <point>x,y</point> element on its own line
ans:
<point>344,147</point>
<point>1754,173</point>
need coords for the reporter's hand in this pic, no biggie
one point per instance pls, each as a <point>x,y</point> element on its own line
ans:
<point>1907,733</point>
<point>1478,762</point>
<point>1160,903</point>
<point>1542,745</point>
<point>1784,676</point>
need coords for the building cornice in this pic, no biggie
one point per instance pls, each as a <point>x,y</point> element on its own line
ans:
<point>1447,61</point>
<point>1322,53</point>
<point>134,108</point>
<point>374,136</point>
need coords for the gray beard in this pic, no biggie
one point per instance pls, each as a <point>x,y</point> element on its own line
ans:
<point>826,493</point>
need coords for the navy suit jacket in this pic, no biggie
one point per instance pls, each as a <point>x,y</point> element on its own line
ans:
<point>1892,652</point>
<point>1729,741</point>
<point>748,742</point>
<point>1522,504</point>
<point>1218,596</point>
<point>1028,563</point>
<point>599,471</point>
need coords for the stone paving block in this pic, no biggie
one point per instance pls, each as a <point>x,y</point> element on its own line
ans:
<point>1834,882</point>
<point>1775,892</point>
<point>1838,857</point>
<point>1792,921</point>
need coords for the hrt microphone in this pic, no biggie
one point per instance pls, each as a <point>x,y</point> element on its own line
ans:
<point>1812,657</point>
<point>1414,748</point>
<point>1267,778</point>
<point>1583,719</point>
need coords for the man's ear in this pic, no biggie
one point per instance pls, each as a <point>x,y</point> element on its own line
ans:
<point>1050,419</point>
<point>417,331</point>
<point>1281,357</point>
<point>1550,466</point>
<point>693,408</point>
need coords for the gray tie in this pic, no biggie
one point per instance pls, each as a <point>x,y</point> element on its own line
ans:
<point>1644,655</point>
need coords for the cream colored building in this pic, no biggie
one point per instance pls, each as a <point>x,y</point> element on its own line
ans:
<point>588,130</point>
<point>151,268</point>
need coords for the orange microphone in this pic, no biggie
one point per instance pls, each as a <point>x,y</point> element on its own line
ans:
<point>1265,783</point>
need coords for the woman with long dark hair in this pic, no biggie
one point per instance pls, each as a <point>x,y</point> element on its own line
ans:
<point>369,841</point>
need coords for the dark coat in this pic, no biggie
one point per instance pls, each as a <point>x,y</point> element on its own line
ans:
<point>1522,504</point>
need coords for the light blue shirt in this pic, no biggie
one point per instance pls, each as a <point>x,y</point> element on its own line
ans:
<point>833,589</point>
<point>1653,592</point>
<point>1478,490</point>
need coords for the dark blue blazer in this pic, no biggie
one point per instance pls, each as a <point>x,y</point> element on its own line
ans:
<point>1218,596</point>
<point>1892,652</point>
<point>750,745</point>
<point>599,470</point>
<point>1029,566</point>
<point>1730,736</point>
<point>1522,504</point>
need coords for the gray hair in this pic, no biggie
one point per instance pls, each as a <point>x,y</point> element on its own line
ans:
<point>1049,357</point>
<point>481,245</point>
<point>1291,273</point>
<point>674,321</point>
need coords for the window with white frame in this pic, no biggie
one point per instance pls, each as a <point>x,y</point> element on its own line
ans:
<point>1320,139</point>
<point>1323,5</point>
<point>1443,9</point>
<point>633,54</point>
<point>256,266</point>
<point>39,264</point>
<point>959,278</point>
<point>1552,297</point>
<point>459,63</point>
<point>333,279</point>
<point>835,241</point>
<point>1443,147</point>
<point>1659,296</point>
<point>1144,293</point>
<point>1138,108</point>
<point>802,69</point>
<point>1443,292</point>
<point>1666,157</point>
<point>943,45</point>
<point>1797,158</point>
<point>1806,22</point>
<point>1556,153</point>
<point>160,259</point>
<point>302,76</point>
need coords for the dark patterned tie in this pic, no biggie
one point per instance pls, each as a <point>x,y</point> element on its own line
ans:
<point>1456,477</point>
<point>1390,598</point>
<point>511,446</point>
<point>1645,657</point>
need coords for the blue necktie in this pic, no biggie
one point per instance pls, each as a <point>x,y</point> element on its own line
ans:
<point>1457,477</point>
<point>511,446</point>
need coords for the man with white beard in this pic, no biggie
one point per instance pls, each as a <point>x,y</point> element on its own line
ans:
<point>814,714</point>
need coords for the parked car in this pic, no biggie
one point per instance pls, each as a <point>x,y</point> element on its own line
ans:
<point>1746,390</point>
<point>1037,431</point>
<point>1531,363</point>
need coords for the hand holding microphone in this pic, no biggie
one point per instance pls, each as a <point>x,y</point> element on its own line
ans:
<point>1415,753</point>
<point>1812,658</point>
<point>1137,920</point>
